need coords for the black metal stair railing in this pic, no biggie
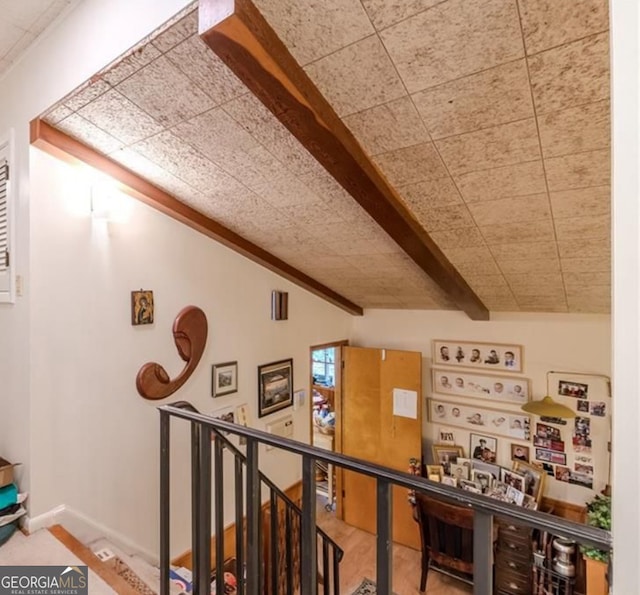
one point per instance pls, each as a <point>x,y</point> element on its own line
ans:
<point>485,509</point>
<point>282,564</point>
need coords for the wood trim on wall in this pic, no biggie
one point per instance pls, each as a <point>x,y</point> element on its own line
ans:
<point>60,145</point>
<point>294,492</point>
<point>240,36</point>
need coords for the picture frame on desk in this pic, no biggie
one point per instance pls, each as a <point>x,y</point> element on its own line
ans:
<point>535,477</point>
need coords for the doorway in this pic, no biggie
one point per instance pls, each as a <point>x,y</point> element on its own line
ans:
<point>326,398</point>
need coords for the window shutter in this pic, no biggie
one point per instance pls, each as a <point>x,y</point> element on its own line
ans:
<point>6,257</point>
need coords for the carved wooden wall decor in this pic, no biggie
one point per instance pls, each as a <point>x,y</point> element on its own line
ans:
<point>190,335</point>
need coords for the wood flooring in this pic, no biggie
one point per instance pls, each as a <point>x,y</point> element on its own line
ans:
<point>360,562</point>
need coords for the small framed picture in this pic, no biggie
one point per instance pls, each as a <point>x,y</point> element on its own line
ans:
<point>513,479</point>
<point>483,448</point>
<point>275,387</point>
<point>141,307</point>
<point>519,453</point>
<point>434,472</point>
<point>534,478</point>
<point>482,478</point>
<point>224,379</point>
<point>446,454</point>
<point>481,386</point>
<point>459,471</point>
<point>470,486</point>
<point>449,481</point>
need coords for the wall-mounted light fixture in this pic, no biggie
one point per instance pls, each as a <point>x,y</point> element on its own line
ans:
<point>279,305</point>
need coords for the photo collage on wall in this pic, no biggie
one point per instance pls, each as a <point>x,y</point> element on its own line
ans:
<point>480,373</point>
<point>578,464</point>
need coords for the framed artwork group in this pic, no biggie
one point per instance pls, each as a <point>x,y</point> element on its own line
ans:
<point>490,387</point>
<point>493,356</point>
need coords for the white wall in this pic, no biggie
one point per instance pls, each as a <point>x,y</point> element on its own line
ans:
<point>88,36</point>
<point>577,343</point>
<point>95,445</point>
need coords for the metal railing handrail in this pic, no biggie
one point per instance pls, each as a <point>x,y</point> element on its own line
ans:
<point>584,534</point>
<point>186,406</point>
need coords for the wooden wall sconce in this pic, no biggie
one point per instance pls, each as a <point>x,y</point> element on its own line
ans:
<point>190,335</point>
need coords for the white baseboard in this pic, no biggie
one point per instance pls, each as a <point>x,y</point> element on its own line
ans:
<point>86,530</point>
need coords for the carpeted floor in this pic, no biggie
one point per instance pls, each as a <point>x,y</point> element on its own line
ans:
<point>43,549</point>
<point>367,587</point>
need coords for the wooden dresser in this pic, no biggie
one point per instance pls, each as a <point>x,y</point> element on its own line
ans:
<point>513,559</point>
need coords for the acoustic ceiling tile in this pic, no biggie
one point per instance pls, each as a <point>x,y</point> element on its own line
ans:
<point>125,67</point>
<point>487,282</point>
<point>493,147</point>
<point>524,251</point>
<point>478,254</point>
<point>357,77</point>
<point>576,129</point>
<point>578,248</point>
<point>599,293</point>
<point>524,208</point>
<point>387,127</point>
<point>543,304</point>
<point>548,23</point>
<point>57,113</point>
<point>205,69</point>
<point>495,96</point>
<point>216,135</point>
<point>263,126</point>
<point>590,306</point>
<point>79,98</point>
<point>571,74</point>
<point>180,159</point>
<point>441,218</point>
<point>179,31</point>
<point>312,29</point>
<point>458,238</point>
<point>165,93</point>
<point>440,192</point>
<point>384,13</point>
<point>88,133</point>
<point>580,202</point>
<point>311,214</point>
<point>586,279</point>
<point>548,283</point>
<point>519,231</point>
<point>410,165</point>
<point>580,170</point>
<point>588,264</point>
<point>493,293</point>
<point>450,41</point>
<point>502,305</point>
<point>515,267</point>
<point>520,179</point>
<point>488,267</point>
<point>118,116</point>
<point>594,226</point>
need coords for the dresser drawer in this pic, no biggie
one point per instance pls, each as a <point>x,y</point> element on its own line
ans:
<point>518,565</point>
<point>514,529</point>
<point>513,546</point>
<point>514,584</point>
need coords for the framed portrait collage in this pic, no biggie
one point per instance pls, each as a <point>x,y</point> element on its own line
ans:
<point>489,356</point>
<point>490,387</point>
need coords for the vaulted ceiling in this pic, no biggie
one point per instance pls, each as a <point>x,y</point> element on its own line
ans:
<point>488,118</point>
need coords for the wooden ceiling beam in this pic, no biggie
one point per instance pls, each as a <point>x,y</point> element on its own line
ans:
<point>57,143</point>
<point>238,34</point>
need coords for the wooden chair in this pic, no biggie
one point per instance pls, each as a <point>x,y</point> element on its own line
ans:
<point>446,532</point>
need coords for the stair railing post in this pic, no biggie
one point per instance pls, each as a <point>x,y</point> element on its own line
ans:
<point>204,547</point>
<point>384,567</point>
<point>165,501</point>
<point>253,519</point>
<point>219,523</point>
<point>309,539</point>
<point>196,527</point>
<point>482,553</point>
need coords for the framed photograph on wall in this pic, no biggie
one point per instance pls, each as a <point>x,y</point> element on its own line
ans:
<point>275,387</point>
<point>510,424</point>
<point>483,448</point>
<point>224,379</point>
<point>469,354</point>
<point>489,387</point>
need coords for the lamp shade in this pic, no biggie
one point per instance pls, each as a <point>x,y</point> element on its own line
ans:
<point>549,408</point>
